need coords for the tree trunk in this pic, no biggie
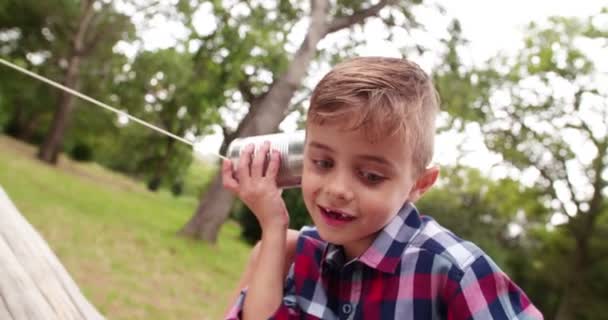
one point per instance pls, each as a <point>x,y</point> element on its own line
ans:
<point>50,148</point>
<point>204,225</point>
<point>572,294</point>
<point>266,114</point>
<point>162,165</point>
<point>582,229</point>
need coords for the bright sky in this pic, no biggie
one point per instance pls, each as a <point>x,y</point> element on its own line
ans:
<point>496,25</point>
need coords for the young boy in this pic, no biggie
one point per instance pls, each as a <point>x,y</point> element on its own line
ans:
<point>371,255</point>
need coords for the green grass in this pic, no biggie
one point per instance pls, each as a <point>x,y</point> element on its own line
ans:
<point>118,240</point>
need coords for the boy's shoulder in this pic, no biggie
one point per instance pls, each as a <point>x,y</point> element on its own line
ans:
<point>309,236</point>
<point>432,239</point>
<point>443,243</point>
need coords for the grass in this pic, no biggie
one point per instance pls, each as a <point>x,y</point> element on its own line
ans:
<point>118,240</point>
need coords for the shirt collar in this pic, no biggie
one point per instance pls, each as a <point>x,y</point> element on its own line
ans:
<point>385,252</point>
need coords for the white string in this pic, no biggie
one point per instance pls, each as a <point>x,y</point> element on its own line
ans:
<point>101,104</point>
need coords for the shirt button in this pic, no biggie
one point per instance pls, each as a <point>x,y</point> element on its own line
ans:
<point>347,308</point>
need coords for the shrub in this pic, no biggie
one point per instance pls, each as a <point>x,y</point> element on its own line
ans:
<point>298,216</point>
<point>154,184</point>
<point>177,188</point>
<point>81,152</point>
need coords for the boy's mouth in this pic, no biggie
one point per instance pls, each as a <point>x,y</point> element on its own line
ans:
<point>336,214</point>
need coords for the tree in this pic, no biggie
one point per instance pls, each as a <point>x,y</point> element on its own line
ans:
<point>98,27</point>
<point>23,113</point>
<point>23,42</point>
<point>546,114</point>
<point>268,101</point>
<point>68,33</point>
<point>495,214</point>
<point>165,90</point>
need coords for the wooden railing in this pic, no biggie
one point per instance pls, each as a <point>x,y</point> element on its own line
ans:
<point>33,282</point>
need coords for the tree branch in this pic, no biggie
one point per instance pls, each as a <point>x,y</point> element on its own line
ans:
<point>546,174</point>
<point>294,106</point>
<point>245,90</point>
<point>88,13</point>
<point>583,126</point>
<point>562,163</point>
<point>357,17</point>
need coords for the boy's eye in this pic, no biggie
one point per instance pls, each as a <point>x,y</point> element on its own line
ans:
<point>371,178</point>
<point>322,164</point>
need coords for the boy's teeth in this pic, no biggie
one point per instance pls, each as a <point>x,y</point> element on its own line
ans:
<point>337,215</point>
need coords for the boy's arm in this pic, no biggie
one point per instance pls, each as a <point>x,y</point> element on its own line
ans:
<point>288,310</point>
<point>249,272</point>
<point>484,291</point>
<point>265,291</point>
<point>257,188</point>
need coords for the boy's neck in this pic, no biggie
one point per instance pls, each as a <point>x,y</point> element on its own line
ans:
<point>356,249</point>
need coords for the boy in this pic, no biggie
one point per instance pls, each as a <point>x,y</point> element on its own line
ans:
<point>369,142</point>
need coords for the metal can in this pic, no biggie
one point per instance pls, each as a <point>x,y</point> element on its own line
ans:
<point>291,150</point>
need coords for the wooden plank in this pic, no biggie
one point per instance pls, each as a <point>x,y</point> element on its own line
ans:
<point>4,313</point>
<point>33,283</point>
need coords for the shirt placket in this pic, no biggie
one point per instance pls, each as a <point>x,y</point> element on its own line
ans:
<point>348,309</point>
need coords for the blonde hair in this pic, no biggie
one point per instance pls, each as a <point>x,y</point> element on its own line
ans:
<point>383,96</point>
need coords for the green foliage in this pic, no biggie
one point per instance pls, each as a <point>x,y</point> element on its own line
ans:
<point>298,216</point>
<point>159,87</point>
<point>26,106</point>
<point>81,152</point>
<point>482,210</point>
<point>40,38</point>
<point>198,177</point>
<point>177,188</point>
<point>460,88</point>
<point>544,111</point>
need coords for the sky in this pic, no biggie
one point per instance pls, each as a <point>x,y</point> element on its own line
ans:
<point>496,25</point>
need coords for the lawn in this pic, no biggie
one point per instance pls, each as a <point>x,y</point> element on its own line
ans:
<point>118,240</point>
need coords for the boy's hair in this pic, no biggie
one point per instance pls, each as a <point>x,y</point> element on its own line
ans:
<point>383,96</point>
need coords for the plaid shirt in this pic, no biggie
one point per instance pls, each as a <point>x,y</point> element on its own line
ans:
<point>414,269</point>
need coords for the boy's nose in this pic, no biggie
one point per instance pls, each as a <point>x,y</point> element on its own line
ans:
<point>339,188</point>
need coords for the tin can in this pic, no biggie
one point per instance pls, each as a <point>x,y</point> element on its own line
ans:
<point>291,150</point>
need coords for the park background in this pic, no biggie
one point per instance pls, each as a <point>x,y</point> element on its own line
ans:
<point>143,225</point>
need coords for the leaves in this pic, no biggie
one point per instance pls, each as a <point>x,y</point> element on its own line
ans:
<point>534,115</point>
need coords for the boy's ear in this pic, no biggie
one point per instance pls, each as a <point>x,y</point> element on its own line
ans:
<point>424,182</point>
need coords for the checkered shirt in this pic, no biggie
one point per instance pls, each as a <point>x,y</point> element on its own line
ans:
<point>414,269</point>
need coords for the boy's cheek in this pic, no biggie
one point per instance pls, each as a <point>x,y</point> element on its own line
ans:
<point>310,187</point>
<point>309,199</point>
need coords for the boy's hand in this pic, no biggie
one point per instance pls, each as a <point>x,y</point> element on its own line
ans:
<point>256,188</point>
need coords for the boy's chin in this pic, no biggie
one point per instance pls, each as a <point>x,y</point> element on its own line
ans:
<point>333,237</point>
<point>328,237</point>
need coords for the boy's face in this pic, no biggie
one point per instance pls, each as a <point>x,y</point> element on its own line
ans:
<point>353,187</point>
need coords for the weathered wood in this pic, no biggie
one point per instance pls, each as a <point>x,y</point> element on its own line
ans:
<point>33,283</point>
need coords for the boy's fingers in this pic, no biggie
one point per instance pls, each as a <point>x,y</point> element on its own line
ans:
<point>228,179</point>
<point>243,171</point>
<point>273,165</point>
<point>257,166</point>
